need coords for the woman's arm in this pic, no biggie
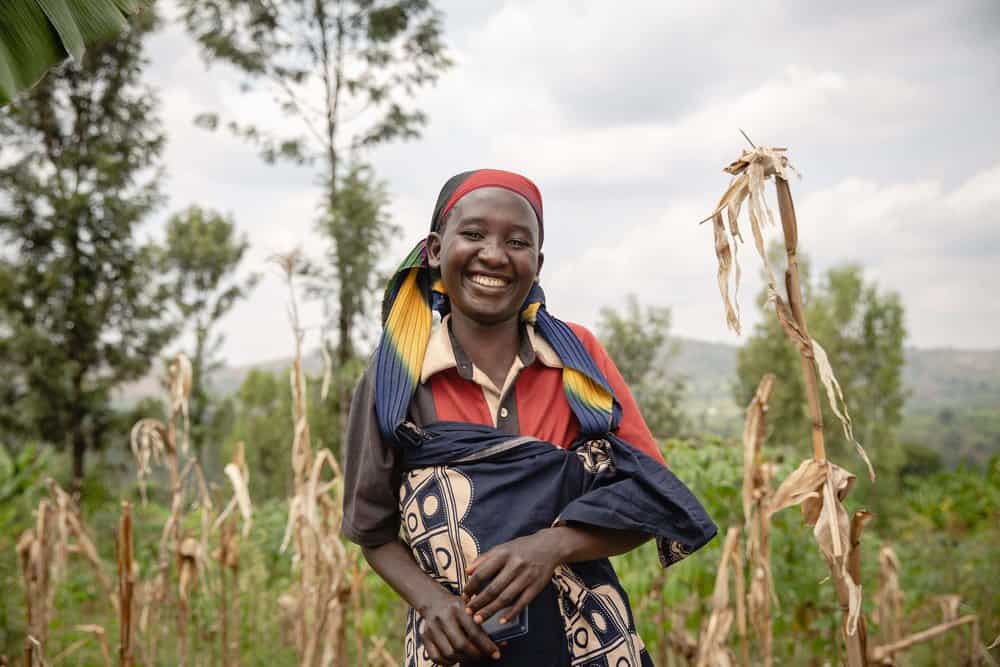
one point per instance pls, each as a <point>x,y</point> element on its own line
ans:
<point>450,634</point>
<point>512,574</point>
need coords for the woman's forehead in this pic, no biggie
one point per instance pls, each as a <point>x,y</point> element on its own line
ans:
<point>483,202</point>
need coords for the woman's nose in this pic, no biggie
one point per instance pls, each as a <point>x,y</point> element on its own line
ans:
<point>492,252</point>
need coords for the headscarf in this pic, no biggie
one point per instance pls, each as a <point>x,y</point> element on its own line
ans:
<point>412,294</point>
<point>462,184</point>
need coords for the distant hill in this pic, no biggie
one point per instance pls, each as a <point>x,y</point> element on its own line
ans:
<point>953,401</point>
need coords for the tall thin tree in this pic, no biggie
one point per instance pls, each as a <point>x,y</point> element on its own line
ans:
<point>201,258</point>
<point>81,311</point>
<point>346,69</point>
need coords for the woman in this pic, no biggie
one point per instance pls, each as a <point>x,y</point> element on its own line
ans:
<point>507,447</point>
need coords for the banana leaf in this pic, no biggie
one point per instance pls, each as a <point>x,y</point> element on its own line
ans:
<point>36,35</point>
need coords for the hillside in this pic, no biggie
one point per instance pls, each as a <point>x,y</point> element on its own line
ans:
<point>953,402</point>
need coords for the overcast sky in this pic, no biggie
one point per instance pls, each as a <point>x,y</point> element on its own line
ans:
<point>624,114</point>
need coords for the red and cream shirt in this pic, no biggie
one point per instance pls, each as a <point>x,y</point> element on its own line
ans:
<point>531,402</point>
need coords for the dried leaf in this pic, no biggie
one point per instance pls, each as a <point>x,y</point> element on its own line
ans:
<point>724,255</point>
<point>835,396</point>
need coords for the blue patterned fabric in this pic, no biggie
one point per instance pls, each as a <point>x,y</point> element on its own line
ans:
<point>467,488</point>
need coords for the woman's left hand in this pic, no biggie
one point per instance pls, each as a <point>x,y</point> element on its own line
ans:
<point>511,575</point>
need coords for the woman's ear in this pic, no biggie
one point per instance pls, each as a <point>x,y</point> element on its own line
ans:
<point>541,260</point>
<point>434,250</point>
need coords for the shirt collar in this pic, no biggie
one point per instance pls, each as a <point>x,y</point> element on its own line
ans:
<point>445,352</point>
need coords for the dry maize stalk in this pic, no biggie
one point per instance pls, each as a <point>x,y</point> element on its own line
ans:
<point>712,651</point>
<point>889,598</point>
<point>819,486</point>
<point>126,582</point>
<point>756,495</point>
<point>316,604</point>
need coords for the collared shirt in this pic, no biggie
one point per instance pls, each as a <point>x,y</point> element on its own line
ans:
<point>531,402</point>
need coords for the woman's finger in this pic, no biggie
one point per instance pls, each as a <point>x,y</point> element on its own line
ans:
<point>476,634</point>
<point>507,592</point>
<point>484,572</point>
<point>529,592</point>
<point>436,645</point>
<point>492,591</point>
<point>463,648</point>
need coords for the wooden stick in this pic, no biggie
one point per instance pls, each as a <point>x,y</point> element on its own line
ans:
<point>786,210</point>
<point>880,653</point>
<point>125,586</point>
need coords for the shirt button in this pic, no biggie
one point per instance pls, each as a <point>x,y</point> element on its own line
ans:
<point>503,413</point>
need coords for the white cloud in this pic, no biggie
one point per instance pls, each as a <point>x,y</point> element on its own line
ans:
<point>625,119</point>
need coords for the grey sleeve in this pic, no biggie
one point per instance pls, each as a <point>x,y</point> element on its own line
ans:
<point>371,477</point>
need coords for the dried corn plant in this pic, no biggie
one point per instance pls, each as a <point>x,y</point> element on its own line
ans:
<point>818,485</point>
<point>317,603</point>
<point>228,554</point>
<point>889,597</point>
<point>43,554</point>
<point>757,476</point>
<point>378,655</point>
<point>712,649</point>
<point>890,652</point>
<point>153,442</point>
<point>124,553</point>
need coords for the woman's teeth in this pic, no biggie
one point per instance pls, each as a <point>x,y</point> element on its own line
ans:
<point>487,281</point>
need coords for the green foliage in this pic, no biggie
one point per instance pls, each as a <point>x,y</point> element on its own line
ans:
<point>861,329</point>
<point>80,303</point>
<point>358,230</point>
<point>35,36</point>
<point>201,256</point>
<point>639,343</point>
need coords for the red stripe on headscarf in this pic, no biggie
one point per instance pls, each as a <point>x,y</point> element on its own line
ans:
<point>496,178</point>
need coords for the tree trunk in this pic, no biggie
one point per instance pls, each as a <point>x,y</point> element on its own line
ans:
<point>79,452</point>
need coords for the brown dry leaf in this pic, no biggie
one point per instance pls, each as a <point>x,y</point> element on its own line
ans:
<point>803,487</point>
<point>724,255</point>
<point>327,371</point>
<point>835,396</point>
<point>750,173</point>
<point>820,487</point>
<point>189,554</point>
<point>241,498</point>
<point>179,377</point>
<point>148,441</point>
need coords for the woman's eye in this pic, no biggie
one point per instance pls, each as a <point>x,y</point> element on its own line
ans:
<point>472,235</point>
<point>518,243</point>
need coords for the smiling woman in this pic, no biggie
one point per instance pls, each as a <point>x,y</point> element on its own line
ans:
<point>503,407</point>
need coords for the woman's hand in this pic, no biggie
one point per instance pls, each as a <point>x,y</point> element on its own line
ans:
<point>511,575</point>
<point>449,633</point>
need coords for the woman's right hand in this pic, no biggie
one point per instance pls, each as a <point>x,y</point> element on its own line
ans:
<point>449,633</point>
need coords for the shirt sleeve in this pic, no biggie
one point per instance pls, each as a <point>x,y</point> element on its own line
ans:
<point>371,476</point>
<point>632,427</point>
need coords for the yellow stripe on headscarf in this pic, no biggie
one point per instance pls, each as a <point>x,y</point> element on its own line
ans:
<point>409,325</point>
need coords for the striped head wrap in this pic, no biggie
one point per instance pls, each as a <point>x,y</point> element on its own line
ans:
<point>414,292</point>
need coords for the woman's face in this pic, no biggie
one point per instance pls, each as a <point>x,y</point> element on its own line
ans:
<point>488,255</point>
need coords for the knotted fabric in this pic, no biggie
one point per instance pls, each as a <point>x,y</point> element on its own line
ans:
<point>407,319</point>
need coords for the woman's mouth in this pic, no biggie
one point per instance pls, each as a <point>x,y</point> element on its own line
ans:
<point>488,281</point>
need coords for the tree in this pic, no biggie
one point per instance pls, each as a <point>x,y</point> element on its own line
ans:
<point>201,257</point>
<point>862,330</point>
<point>344,68</point>
<point>639,343</point>
<point>80,304</point>
<point>360,229</point>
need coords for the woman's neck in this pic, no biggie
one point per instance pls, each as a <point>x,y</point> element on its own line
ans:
<point>491,347</point>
